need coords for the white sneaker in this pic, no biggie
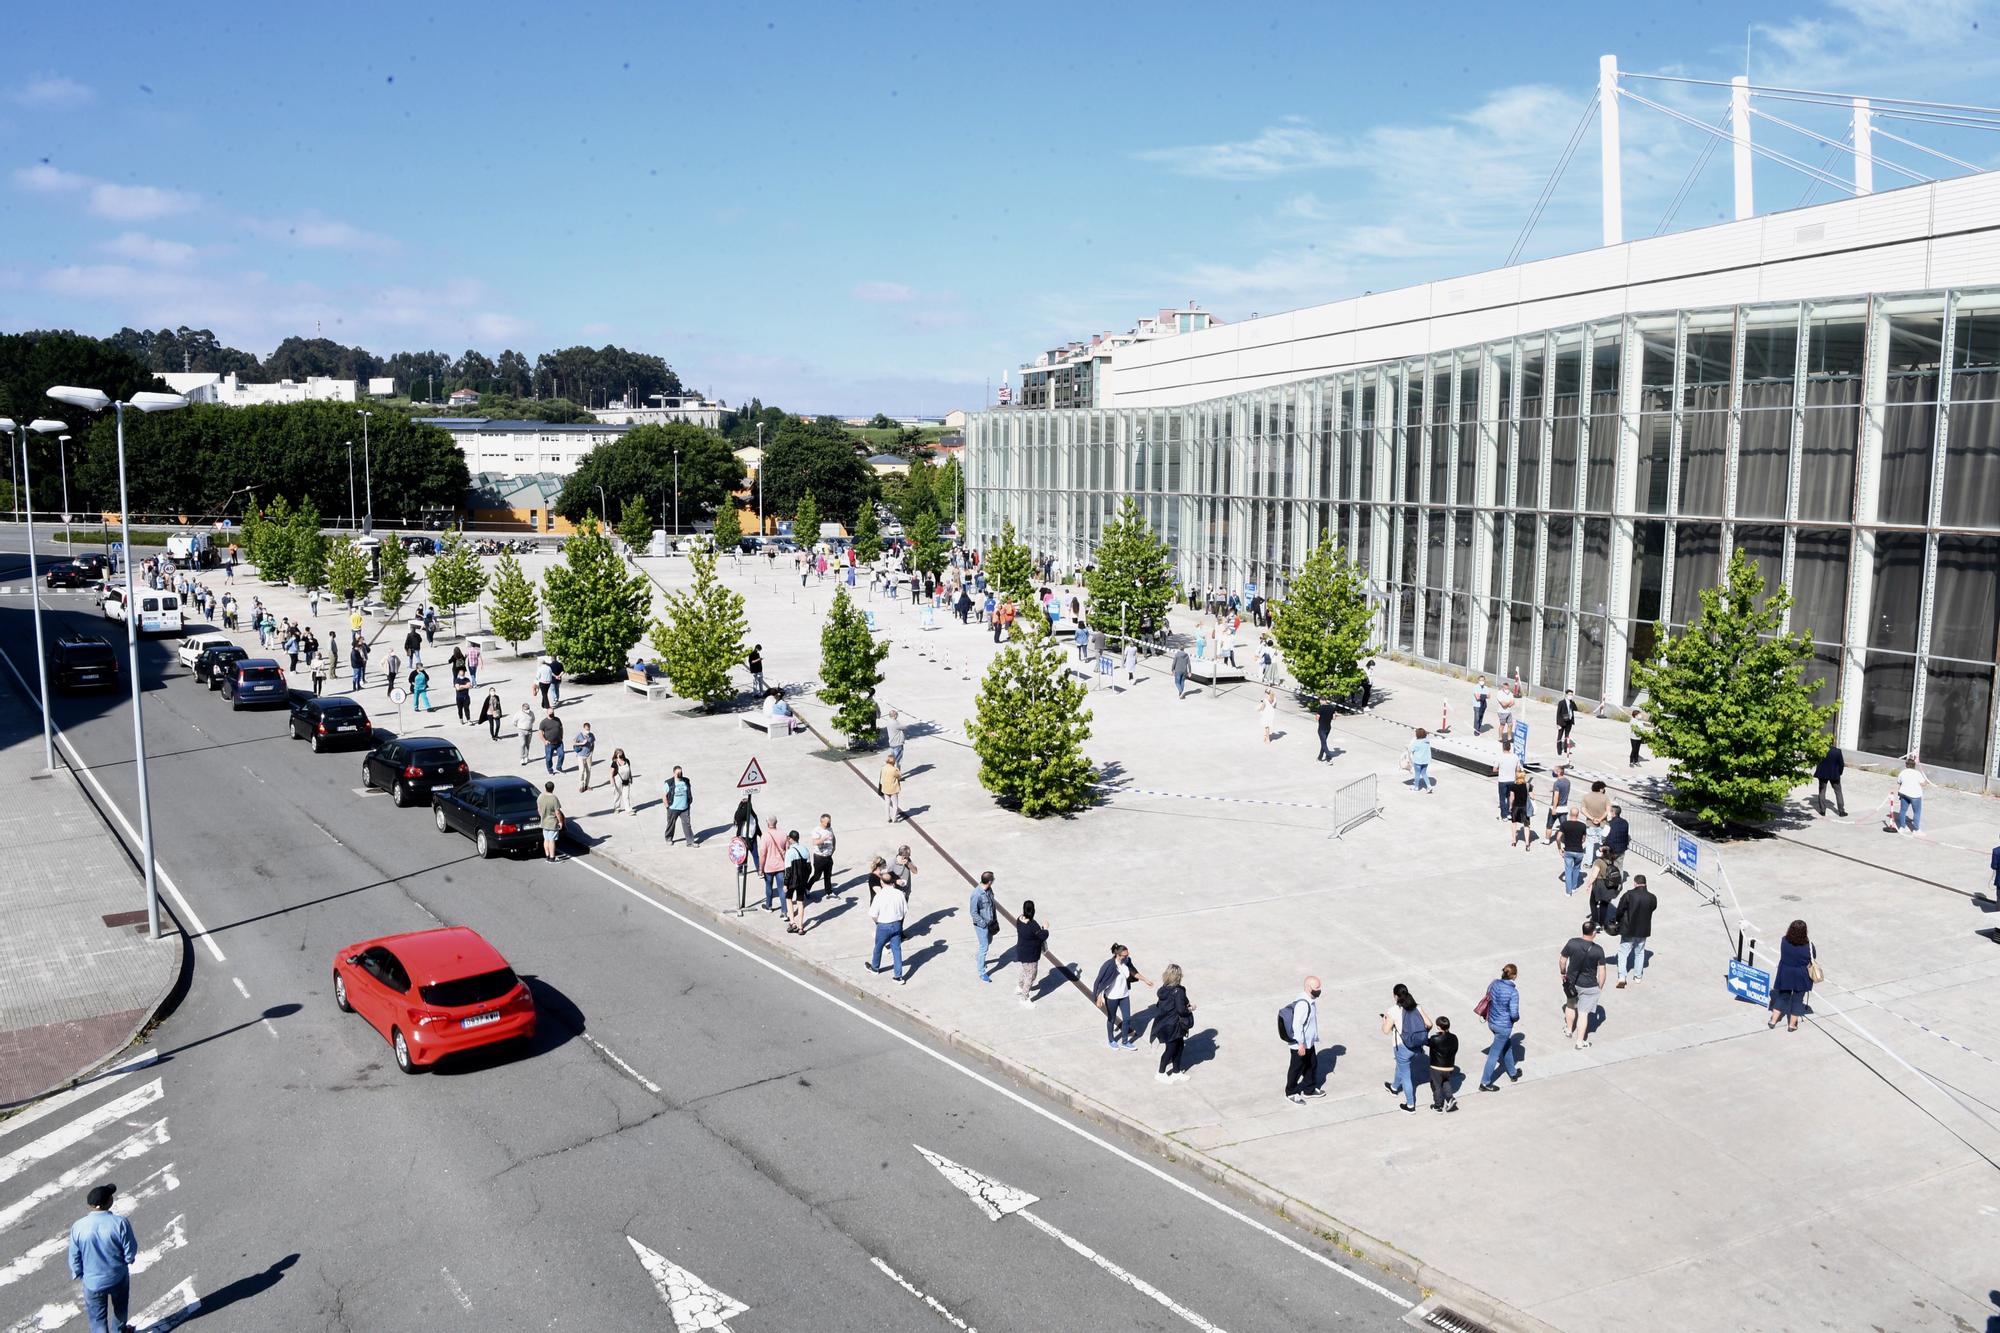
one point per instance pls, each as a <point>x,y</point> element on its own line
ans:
<point>1027,1004</point>
<point>1179,1076</point>
<point>1164,1078</point>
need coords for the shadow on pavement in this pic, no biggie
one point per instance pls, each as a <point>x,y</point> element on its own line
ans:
<point>242,1289</point>
<point>344,893</point>
<point>275,1011</point>
<point>557,1021</point>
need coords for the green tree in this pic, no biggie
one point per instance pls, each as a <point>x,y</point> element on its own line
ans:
<point>1729,703</point>
<point>926,547</point>
<point>701,637</point>
<point>641,462</point>
<point>251,538</point>
<point>816,456</point>
<point>635,526</point>
<point>274,546</point>
<point>455,577</point>
<point>1133,575</point>
<point>805,521</point>
<point>516,608</point>
<point>308,547</point>
<point>597,606</point>
<point>850,658</point>
<point>1031,725</point>
<point>1324,625</point>
<point>728,526</point>
<point>882,421</point>
<point>950,491</point>
<point>917,498</point>
<point>867,534</point>
<point>347,570</point>
<point>397,576</point>
<point>1010,568</point>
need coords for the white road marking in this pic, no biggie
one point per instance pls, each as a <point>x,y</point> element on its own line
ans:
<point>1263,1228</point>
<point>173,1309</point>
<point>271,1028</point>
<point>693,1304</point>
<point>464,1301</point>
<point>50,1105</point>
<point>131,834</point>
<point>241,989</point>
<point>56,1315</point>
<point>31,1259</point>
<point>612,1056</point>
<point>367,791</point>
<point>134,1145</point>
<point>324,829</point>
<point>997,1201</point>
<point>77,1130</point>
<point>931,1301</point>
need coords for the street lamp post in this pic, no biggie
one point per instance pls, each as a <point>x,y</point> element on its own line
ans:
<point>677,493</point>
<point>62,461</point>
<point>42,426</point>
<point>760,481</point>
<point>367,476</point>
<point>353,521</point>
<point>96,400</point>
<point>603,506</point>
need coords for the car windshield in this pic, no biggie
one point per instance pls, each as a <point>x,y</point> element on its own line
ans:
<point>260,673</point>
<point>513,801</point>
<point>470,990</point>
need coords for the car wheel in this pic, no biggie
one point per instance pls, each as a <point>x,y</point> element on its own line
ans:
<point>402,1049</point>
<point>340,994</point>
<point>400,794</point>
<point>485,845</point>
<point>367,776</point>
<point>437,816</point>
<point>318,743</point>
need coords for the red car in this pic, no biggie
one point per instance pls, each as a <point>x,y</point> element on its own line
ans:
<point>433,993</point>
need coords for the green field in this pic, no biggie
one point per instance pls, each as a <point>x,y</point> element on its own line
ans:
<point>92,536</point>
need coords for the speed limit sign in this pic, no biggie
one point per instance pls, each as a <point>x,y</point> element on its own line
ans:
<point>739,851</point>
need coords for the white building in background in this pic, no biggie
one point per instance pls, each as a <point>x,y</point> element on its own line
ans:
<point>691,408</point>
<point>1074,375</point>
<point>204,387</point>
<point>524,448</point>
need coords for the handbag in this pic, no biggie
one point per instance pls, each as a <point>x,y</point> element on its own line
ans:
<point>1404,763</point>
<point>1814,971</point>
<point>1484,1007</point>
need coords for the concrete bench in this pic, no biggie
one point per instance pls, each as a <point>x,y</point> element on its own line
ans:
<point>1214,669</point>
<point>1477,755</point>
<point>765,723</point>
<point>637,682</point>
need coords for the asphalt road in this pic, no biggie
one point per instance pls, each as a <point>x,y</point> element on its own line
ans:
<point>687,1093</point>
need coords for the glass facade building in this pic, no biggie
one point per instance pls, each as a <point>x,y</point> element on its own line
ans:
<point>1536,503</point>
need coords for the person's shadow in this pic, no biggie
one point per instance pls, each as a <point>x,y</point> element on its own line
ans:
<point>242,1289</point>
<point>911,962</point>
<point>923,925</point>
<point>1200,1048</point>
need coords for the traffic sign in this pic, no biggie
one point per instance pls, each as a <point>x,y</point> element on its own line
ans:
<point>753,776</point>
<point>739,851</point>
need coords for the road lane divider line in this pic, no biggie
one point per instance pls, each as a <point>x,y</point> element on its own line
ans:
<point>1131,1159</point>
<point>457,1292</point>
<point>613,1057</point>
<point>925,1297</point>
<point>79,1129</point>
<point>241,989</point>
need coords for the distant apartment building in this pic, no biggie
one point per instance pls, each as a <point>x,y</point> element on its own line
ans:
<point>229,391</point>
<point>524,448</point>
<point>660,409</point>
<point>1073,375</point>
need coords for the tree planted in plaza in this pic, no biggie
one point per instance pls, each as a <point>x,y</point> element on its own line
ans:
<point>397,576</point>
<point>849,668</point>
<point>1010,568</point>
<point>1729,703</point>
<point>867,535</point>
<point>251,541</point>
<point>728,526</point>
<point>805,521</point>
<point>597,606</point>
<point>1031,725</point>
<point>701,637</point>
<point>1324,626</point>
<point>309,547</point>
<point>927,551</point>
<point>1132,580</point>
<point>347,571</point>
<point>273,552</point>
<point>517,612</point>
<point>455,576</point>
<point>635,526</point>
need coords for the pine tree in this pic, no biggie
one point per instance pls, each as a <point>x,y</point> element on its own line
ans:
<point>1032,724</point>
<point>1324,625</point>
<point>455,577</point>
<point>702,636</point>
<point>347,570</point>
<point>516,608</point>
<point>635,526</point>
<point>1010,569</point>
<point>308,547</point>
<point>926,547</point>
<point>1730,705</point>
<point>805,521</point>
<point>1133,577</point>
<point>397,576</point>
<point>849,668</point>
<point>728,525</point>
<point>867,535</point>
<point>597,607</point>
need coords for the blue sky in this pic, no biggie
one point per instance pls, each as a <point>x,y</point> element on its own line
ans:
<point>859,207</point>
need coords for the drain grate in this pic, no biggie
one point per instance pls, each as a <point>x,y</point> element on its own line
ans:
<point>117,919</point>
<point>1432,1314</point>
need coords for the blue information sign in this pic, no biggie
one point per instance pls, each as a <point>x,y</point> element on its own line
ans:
<point>1521,742</point>
<point>1687,853</point>
<point>1748,983</point>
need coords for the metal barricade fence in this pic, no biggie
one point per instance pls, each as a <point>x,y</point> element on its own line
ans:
<point>1693,860</point>
<point>1355,803</point>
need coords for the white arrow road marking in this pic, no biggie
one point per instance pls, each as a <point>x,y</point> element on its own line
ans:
<point>135,1145</point>
<point>179,1305</point>
<point>31,1260</point>
<point>77,1130</point>
<point>56,1315</point>
<point>929,1300</point>
<point>693,1303</point>
<point>997,1201</point>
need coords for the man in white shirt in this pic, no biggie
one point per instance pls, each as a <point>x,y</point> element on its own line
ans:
<point>1910,784</point>
<point>890,906</point>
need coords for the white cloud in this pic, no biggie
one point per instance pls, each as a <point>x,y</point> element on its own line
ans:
<point>491,326</point>
<point>1290,146</point>
<point>144,249</point>
<point>597,328</point>
<point>885,293</point>
<point>45,179</point>
<point>138,203</point>
<point>318,232</point>
<point>52,90</point>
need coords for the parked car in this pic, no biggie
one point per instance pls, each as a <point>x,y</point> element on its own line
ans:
<point>70,574</point>
<point>433,993</point>
<point>498,814</point>
<point>420,545</point>
<point>194,645</point>
<point>327,720</point>
<point>747,545</point>
<point>410,768</point>
<point>254,680</point>
<point>208,668</point>
<point>159,612</point>
<point>81,660</point>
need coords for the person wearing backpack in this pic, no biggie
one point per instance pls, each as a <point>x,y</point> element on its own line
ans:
<point>1173,1019</point>
<point>1298,1025</point>
<point>1407,1029</point>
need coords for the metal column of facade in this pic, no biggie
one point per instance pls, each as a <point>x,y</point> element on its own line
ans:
<point>1795,454</point>
<point>1933,517</point>
<point>1867,509</point>
<point>1626,505</point>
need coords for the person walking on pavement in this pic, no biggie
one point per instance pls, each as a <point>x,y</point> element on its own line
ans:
<point>393,667</point>
<point>1827,773</point>
<point>1267,714</point>
<point>798,879</point>
<point>1503,782</point>
<point>102,1250</point>
<point>318,674</point>
<point>556,678</point>
<point>822,840</point>
<point>472,662</point>
<point>1633,725</point>
<point>585,748</point>
<point>756,665</point>
<point>1301,1034</point>
<point>1581,967</point>
<point>1565,722</point>
<point>492,712</point>
<point>1635,925</point>
<point>1479,706</point>
<point>1131,662</point>
<point>1570,836</point>
<point>1910,784</point>
<point>1030,938</point>
<point>552,743</point>
<point>984,913</point>
<point>1419,755</point>
<point>1324,717</point>
<point>888,909</point>
<point>1181,668</point>
<point>621,783</point>
<point>461,695</point>
<point>1173,1020</point>
<point>892,728</point>
<point>1443,1052</point>
<point>1558,803</point>
<point>420,689</point>
<point>1606,879</point>
<point>1407,1029</point>
<point>677,796</point>
<point>1113,993</point>
<point>524,727</point>
<point>891,786</point>
<point>1522,794</point>
<point>357,662</point>
<point>457,659</point>
<point>549,810</point>
<point>1798,969</point>
<point>1502,1004</point>
<point>771,864</point>
<point>413,644</point>
<point>544,678</point>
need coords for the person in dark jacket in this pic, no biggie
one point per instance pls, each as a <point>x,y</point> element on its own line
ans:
<point>1635,923</point>
<point>1827,773</point>
<point>1030,938</point>
<point>1794,980</point>
<point>1173,1019</point>
<point>1113,993</point>
<point>1442,1049</point>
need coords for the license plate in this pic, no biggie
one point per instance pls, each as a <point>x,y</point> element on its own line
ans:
<point>531,823</point>
<point>87,675</point>
<point>478,1020</point>
<point>347,726</point>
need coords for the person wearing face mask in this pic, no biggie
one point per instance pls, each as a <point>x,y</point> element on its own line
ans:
<point>1300,1021</point>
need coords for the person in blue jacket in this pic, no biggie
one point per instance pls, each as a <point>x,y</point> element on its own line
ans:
<point>1503,1011</point>
<point>1794,980</point>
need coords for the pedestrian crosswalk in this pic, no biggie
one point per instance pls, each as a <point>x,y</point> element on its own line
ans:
<point>114,1130</point>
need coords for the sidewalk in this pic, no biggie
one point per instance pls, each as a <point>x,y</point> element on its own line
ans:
<point>1689,1169</point>
<point>78,975</point>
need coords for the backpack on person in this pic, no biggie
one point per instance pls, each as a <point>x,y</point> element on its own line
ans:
<point>1415,1030</point>
<point>1285,1024</point>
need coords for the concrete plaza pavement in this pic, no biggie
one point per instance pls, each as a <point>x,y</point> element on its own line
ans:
<point>1689,1168</point>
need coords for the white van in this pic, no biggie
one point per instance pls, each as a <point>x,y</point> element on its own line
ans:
<point>159,612</point>
<point>192,550</point>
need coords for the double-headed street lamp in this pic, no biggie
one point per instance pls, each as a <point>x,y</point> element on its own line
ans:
<point>367,475</point>
<point>42,426</point>
<point>677,491</point>
<point>96,400</point>
<point>353,520</point>
<point>62,461</point>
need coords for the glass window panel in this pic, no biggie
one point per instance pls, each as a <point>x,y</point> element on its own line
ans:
<point>1704,443</point>
<point>1656,365</point>
<point>1520,636</point>
<point>1406,618</point>
<point>1458,629</point>
<point>1590,631</point>
<point>1433,620</point>
<point>1643,639</point>
<point>1819,584</point>
<point>1655,458</point>
<point>1706,368</point>
<point>1887,683</point>
<point>1764,459</point>
<point>1967,610</point>
<point>1527,494</point>
<point>1434,558</point>
<point>1766,547</point>
<point>1649,558</point>
<point>1908,433</point>
<point>1471,442</point>
<point>1556,572</point>
<point>1524,559</point>
<point>1596,565</point>
<point>1562,464</point>
<point>1899,583</point>
<point>1503,443</point>
<point>1496,612</point>
<point>1568,373</point>
<point>1975,354</point>
<point>1555,650</point>
<point>1602,478</point>
<point>1916,345</point>
<point>1440,462</point>
<point>1461,549</point>
<point>1972,461</point>
<point>1697,565</point>
<point>1958,697</point>
<point>1835,347</point>
<point>1826,457</point>
<point>1770,359</point>
<point>1823,670</point>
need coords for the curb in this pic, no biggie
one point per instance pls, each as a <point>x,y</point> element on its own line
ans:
<point>166,1001</point>
<point>1323,1227</point>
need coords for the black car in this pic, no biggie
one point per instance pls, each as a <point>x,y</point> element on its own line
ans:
<point>70,574</point>
<point>328,720</point>
<point>498,814</point>
<point>212,662</point>
<point>82,661</point>
<point>410,769</point>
